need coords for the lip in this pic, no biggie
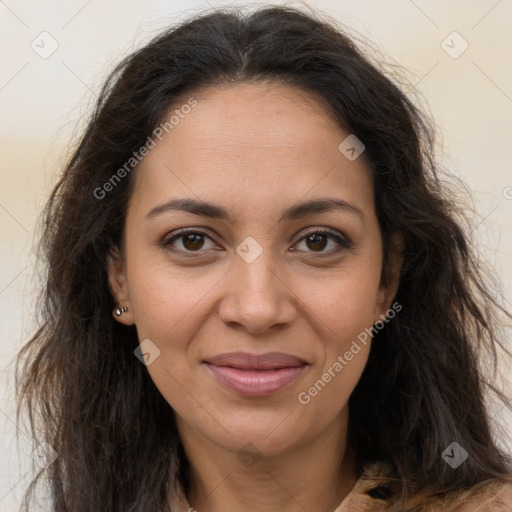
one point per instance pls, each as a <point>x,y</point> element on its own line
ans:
<point>246,361</point>
<point>255,375</point>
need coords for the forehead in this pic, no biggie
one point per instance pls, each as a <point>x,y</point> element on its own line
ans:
<point>255,114</point>
<point>256,140</point>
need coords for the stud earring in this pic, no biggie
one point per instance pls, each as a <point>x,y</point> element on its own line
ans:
<point>119,311</point>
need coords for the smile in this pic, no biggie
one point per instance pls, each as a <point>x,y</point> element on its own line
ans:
<point>255,375</point>
<point>255,382</point>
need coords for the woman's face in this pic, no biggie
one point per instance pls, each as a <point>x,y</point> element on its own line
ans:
<point>217,305</point>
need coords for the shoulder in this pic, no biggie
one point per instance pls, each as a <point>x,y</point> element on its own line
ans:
<point>488,496</point>
<point>376,491</point>
<point>493,496</point>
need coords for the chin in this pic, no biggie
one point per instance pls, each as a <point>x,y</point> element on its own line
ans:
<point>270,434</point>
<point>257,444</point>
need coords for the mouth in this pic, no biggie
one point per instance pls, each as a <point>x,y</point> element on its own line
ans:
<point>255,375</point>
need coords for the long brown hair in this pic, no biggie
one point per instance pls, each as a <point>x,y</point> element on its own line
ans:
<point>423,387</point>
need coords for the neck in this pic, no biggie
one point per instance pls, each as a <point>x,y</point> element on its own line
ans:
<point>315,476</point>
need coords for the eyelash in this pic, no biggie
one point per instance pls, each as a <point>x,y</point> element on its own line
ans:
<point>343,243</point>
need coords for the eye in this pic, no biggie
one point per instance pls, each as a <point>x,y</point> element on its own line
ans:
<point>191,240</point>
<point>316,241</point>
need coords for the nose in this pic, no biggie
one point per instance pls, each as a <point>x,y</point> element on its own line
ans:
<point>258,296</point>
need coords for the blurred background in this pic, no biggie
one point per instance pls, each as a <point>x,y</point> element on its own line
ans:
<point>56,54</point>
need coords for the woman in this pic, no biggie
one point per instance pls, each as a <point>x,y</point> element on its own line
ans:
<point>258,297</point>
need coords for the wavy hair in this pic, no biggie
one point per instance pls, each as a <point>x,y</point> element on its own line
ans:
<point>424,385</point>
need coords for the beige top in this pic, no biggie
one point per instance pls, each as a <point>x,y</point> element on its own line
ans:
<point>375,492</point>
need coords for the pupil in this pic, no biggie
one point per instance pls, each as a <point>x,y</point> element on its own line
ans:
<point>192,239</point>
<point>315,238</point>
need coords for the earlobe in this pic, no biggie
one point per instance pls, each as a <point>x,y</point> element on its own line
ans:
<point>118,313</point>
<point>118,286</point>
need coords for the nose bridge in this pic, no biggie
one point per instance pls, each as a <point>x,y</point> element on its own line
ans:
<point>255,269</point>
<point>257,296</point>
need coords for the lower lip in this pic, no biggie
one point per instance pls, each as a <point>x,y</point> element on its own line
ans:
<point>255,382</point>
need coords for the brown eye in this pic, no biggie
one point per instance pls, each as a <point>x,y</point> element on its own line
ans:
<point>317,241</point>
<point>194,241</point>
<point>190,240</point>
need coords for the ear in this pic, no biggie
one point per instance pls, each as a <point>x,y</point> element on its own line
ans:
<point>118,285</point>
<point>390,276</point>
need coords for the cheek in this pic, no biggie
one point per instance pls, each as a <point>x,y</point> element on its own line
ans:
<point>166,311</point>
<point>344,310</point>
<point>165,297</point>
<point>170,305</point>
<point>346,320</point>
<point>346,346</point>
<point>344,301</point>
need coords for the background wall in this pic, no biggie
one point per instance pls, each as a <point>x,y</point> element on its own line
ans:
<point>55,55</point>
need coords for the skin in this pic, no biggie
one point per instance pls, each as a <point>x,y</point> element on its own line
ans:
<point>255,150</point>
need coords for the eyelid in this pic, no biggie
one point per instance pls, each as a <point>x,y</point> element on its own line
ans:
<point>183,231</point>
<point>342,240</point>
<point>340,237</point>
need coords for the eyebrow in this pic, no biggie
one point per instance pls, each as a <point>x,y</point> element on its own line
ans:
<point>294,212</point>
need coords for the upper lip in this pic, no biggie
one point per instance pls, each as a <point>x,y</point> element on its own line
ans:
<point>246,361</point>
